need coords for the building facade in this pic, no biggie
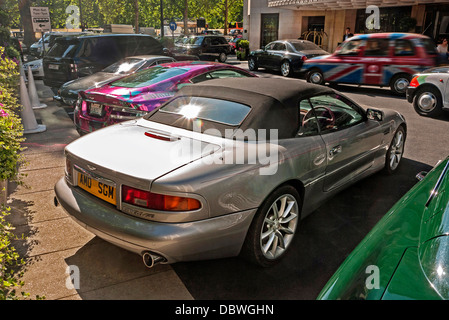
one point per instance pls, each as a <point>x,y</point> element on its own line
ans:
<point>324,21</point>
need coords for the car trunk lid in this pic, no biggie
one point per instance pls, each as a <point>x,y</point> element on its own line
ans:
<point>139,150</point>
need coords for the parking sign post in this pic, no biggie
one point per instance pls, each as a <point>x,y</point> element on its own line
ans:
<point>40,17</point>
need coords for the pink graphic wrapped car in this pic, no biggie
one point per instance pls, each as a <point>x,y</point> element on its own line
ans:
<point>138,94</point>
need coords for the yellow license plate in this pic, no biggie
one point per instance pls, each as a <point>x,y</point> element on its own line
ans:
<point>97,188</point>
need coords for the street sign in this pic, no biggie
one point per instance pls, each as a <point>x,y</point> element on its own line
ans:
<point>40,17</point>
<point>173,26</point>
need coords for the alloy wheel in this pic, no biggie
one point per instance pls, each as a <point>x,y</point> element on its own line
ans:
<point>279,226</point>
<point>285,68</point>
<point>222,57</point>
<point>396,150</point>
<point>251,64</point>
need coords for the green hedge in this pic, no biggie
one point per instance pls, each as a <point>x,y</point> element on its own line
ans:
<point>11,136</point>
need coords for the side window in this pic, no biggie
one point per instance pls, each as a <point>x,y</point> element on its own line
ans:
<point>403,48</point>
<point>377,47</point>
<point>87,48</point>
<point>279,46</point>
<point>269,46</point>
<point>148,64</point>
<point>308,124</point>
<point>215,41</point>
<point>350,48</point>
<point>126,46</point>
<point>220,74</point>
<point>201,78</point>
<point>334,113</point>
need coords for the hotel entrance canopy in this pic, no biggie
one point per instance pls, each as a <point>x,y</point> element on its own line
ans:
<point>345,4</point>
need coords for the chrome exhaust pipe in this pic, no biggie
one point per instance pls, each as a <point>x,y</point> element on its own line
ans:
<point>151,259</point>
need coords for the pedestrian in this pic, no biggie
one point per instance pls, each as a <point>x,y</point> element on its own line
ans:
<point>442,50</point>
<point>347,34</point>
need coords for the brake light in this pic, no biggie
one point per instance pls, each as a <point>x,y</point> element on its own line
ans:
<point>155,201</point>
<point>414,83</point>
<point>303,58</point>
<point>73,68</point>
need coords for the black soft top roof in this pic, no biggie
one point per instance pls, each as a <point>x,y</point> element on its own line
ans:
<point>273,102</point>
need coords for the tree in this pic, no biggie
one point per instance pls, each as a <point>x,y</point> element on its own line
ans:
<point>136,16</point>
<point>186,16</point>
<point>25,14</point>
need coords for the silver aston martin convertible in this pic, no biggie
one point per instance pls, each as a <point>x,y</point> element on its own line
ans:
<point>226,167</point>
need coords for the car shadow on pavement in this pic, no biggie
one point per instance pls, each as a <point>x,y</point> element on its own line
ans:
<point>325,238</point>
<point>108,272</point>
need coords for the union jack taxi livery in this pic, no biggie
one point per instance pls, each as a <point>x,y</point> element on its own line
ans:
<point>380,59</point>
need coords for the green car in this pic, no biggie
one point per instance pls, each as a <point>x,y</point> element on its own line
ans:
<point>406,255</point>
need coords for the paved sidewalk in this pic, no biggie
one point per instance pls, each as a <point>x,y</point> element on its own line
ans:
<point>55,242</point>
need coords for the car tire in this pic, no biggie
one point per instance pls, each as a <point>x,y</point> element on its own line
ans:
<point>428,102</point>
<point>315,76</point>
<point>395,152</point>
<point>252,64</point>
<point>399,83</point>
<point>222,57</point>
<point>273,228</point>
<point>286,68</point>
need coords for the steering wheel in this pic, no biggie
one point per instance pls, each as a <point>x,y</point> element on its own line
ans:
<point>327,115</point>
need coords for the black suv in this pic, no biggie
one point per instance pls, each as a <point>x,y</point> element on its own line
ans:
<point>206,47</point>
<point>74,57</point>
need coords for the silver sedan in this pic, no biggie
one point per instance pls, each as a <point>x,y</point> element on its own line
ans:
<point>226,167</point>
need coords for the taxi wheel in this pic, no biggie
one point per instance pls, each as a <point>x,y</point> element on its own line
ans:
<point>428,102</point>
<point>315,76</point>
<point>399,83</point>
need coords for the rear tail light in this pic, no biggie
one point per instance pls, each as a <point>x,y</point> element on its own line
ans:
<point>155,201</point>
<point>303,58</point>
<point>73,68</point>
<point>414,83</point>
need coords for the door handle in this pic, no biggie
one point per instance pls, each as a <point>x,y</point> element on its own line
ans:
<point>335,150</point>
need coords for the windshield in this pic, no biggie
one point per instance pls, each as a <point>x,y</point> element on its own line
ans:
<point>305,45</point>
<point>149,76</point>
<point>63,49</point>
<point>434,253</point>
<point>194,40</point>
<point>350,47</point>
<point>216,110</point>
<point>124,66</point>
<point>434,257</point>
<point>437,70</point>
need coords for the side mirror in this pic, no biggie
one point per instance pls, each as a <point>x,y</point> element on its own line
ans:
<point>374,114</point>
<point>421,175</point>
